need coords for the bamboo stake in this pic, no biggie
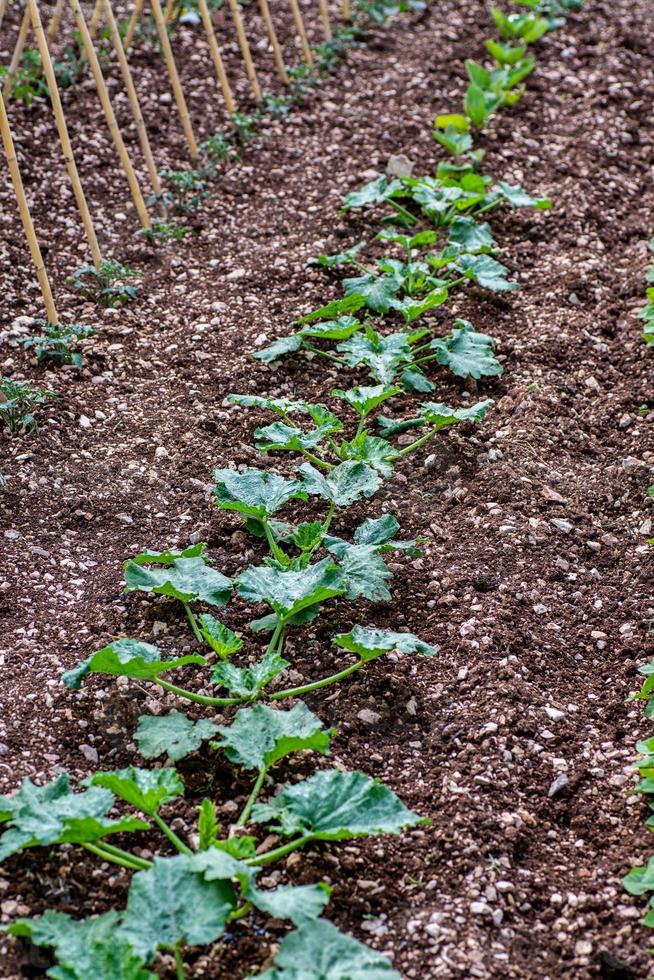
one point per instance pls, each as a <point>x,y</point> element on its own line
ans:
<point>274,43</point>
<point>174,79</point>
<point>133,21</point>
<point>94,22</point>
<point>55,20</point>
<point>17,56</point>
<point>3,8</point>
<point>217,58</point>
<point>245,50</point>
<point>62,129</point>
<point>324,16</point>
<point>133,97</point>
<point>135,190</point>
<point>299,26</point>
<point>346,10</point>
<point>26,218</point>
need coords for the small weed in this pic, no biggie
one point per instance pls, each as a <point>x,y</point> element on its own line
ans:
<point>106,286</point>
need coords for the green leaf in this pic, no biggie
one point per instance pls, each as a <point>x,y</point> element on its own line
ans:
<point>487,272</point>
<point>640,880</point>
<point>308,535</point>
<point>87,948</point>
<point>318,951</point>
<point>365,399</point>
<point>412,308</point>
<point>144,789</point>
<point>379,531</point>
<point>383,356</point>
<point>520,199</point>
<point>217,864</point>
<point>505,54</point>
<point>378,291</point>
<point>170,904</point>
<point>466,353</point>
<point>173,734</point>
<point>333,805</point>
<point>364,570</point>
<point>375,452</point>
<point>261,736</point>
<point>453,140</point>
<point>370,642</point>
<point>127,658</point>
<point>54,814</point>
<point>456,120</point>
<point>291,438</point>
<point>278,349</point>
<point>348,304</point>
<point>188,579</point>
<point>246,682</point>
<point>169,557</point>
<point>375,192</point>
<point>471,235</point>
<point>253,492</point>
<point>288,591</point>
<point>440,415</point>
<point>476,106</point>
<point>346,483</point>
<point>299,903</point>
<point>208,826</point>
<point>280,406</point>
<point>340,258</point>
<point>221,639</point>
<point>339,329</point>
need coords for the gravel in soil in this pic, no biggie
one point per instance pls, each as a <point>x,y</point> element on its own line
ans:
<point>515,740</point>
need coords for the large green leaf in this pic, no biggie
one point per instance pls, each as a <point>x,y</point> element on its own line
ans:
<point>279,348</point>
<point>340,258</point>
<point>364,570</point>
<point>370,642</point>
<point>378,291</point>
<point>174,734</point>
<point>281,406</point>
<point>86,949</point>
<point>318,951</point>
<point>378,190</point>
<point>254,493</point>
<point>188,579</point>
<point>440,415</point>
<point>346,483</point>
<point>260,736</point>
<point>338,307</point>
<point>220,638</point>
<point>169,556</point>
<point>372,450</point>
<point>380,530</point>
<point>144,789</point>
<point>383,356</point>
<point>473,235</point>
<point>246,682</point>
<point>54,814</point>
<point>640,880</point>
<point>170,904</point>
<point>338,329</point>
<point>466,353</point>
<point>520,199</point>
<point>364,399</point>
<point>288,591</point>
<point>487,272</point>
<point>299,903</point>
<point>333,805</point>
<point>127,658</point>
<point>279,437</point>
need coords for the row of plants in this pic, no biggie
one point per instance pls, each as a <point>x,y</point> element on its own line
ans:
<point>311,559</point>
<point>113,284</point>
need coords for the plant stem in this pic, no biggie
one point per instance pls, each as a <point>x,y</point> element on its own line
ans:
<point>198,698</point>
<point>240,912</point>
<point>325,353</point>
<point>294,692</point>
<point>119,852</point>
<point>419,442</point>
<point>125,860</point>
<point>247,809</point>
<point>279,852</point>
<point>171,835</point>
<point>323,464</point>
<point>328,519</point>
<point>412,220</point>
<point>179,964</point>
<point>276,551</point>
<point>194,623</point>
<point>362,268</point>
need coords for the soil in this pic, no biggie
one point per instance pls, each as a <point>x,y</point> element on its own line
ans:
<point>535,582</point>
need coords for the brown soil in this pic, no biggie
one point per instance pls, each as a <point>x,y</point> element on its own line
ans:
<point>512,879</point>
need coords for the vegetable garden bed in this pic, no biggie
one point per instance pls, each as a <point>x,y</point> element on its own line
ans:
<point>514,739</point>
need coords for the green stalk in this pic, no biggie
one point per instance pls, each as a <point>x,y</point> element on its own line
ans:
<point>323,464</point>
<point>119,852</point>
<point>277,552</point>
<point>240,912</point>
<point>171,835</point>
<point>362,268</point>
<point>328,519</point>
<point>325,353</point>
<point>403,211</point>
<point>419,442</point>
<point>294,692</point>
<point>198,698</point>
<point>279,852</point>
<point>127,861</point>
<point>247,809</point>
<point>179,963</point>
<point>194,623</point>
<point>489,207</point>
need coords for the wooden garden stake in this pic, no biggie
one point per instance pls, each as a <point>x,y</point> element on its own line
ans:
<point>217,58</point>
<point>137,197</point>
<point>26,218</point>
<point>3,8</point>
<point>274,43</point>
<point>132,96</point>
<point>133,21</point>
<point>346,9</point>
<point>324,16</point>
<point>299,26</point>
<point>17,56</point>
<point>174,79</point>
<point>62,129</point>
<point>245,50</point>
<point>55,20</point>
